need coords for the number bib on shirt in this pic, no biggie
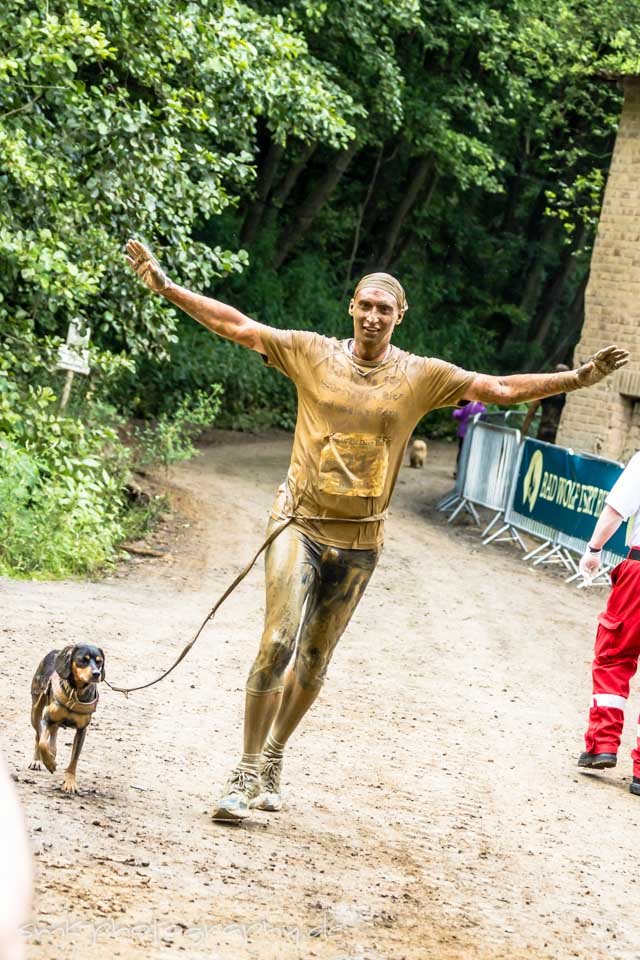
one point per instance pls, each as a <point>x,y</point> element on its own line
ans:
<point>354,465</point>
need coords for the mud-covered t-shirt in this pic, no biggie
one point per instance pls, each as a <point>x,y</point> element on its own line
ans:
<point>354,421</point>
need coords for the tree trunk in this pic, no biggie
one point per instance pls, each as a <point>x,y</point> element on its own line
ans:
<point>563,349</point>
<point>266,176</point>
<point>508,221</point>
<point>409,235</point>
<point>552,293</point>
<point>281,193</point>
<point>358,226</point>
<point>423,169</point>
<point>535,270</point>
<point>314,203</point>
<point>385,185</point>
<point>526,285</point>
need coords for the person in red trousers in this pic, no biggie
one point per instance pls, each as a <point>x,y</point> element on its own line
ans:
<point>617,643</point>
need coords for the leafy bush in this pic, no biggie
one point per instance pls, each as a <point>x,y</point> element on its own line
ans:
<point>254,396</point>
<point>171,438</point>
<point>142,516</point>
<point>61,488</point>
<point>120,117</point>
<point>63,504</point>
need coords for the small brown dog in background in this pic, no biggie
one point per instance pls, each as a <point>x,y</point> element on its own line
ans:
<point>64,694</point>
<point>417,454</point>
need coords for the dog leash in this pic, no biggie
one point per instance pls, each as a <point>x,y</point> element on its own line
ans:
<point>243,573</point>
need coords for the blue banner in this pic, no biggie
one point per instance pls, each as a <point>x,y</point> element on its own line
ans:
<point>565,491</point>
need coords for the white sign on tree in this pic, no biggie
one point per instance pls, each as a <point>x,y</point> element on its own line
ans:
<point>74,354</point>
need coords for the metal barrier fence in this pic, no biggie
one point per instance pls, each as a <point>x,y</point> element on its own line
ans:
<point>487,476</point>
<point>504,418</point>
<point>453,498</point>
<point>520,522</point>
<point>493,451</point>
<point>556,547</point>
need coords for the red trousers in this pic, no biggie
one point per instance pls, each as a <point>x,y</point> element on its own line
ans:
<point>616,660</point>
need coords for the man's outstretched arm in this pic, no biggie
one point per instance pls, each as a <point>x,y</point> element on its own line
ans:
<point>218,317</point>
<point>534,386</point>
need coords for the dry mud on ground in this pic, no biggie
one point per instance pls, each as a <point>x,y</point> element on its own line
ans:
<point>433,807</point>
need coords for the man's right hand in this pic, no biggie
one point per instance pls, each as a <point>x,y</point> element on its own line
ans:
<point>143,262</point>
<point>218,317</point>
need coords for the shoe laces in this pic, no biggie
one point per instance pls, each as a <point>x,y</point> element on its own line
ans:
<point>270,771</point>
<point>242,780</point>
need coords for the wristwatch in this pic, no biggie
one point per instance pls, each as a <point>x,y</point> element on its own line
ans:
<point>595,549</point>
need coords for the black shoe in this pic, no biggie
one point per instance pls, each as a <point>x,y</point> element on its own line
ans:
<point>597,761</point>
<point>634,786</point>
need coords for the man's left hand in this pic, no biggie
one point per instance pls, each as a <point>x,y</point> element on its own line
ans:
<point>601,364</point>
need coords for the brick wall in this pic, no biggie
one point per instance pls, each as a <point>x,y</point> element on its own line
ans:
<point>603,420</point>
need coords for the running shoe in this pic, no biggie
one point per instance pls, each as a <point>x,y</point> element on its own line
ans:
<point>240,790</point>
<point>270,797</point>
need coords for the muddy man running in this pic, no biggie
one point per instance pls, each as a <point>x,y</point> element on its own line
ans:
<point>359,400</point>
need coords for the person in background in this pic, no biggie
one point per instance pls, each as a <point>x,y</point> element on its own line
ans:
<point>551,411</point>
<point>464,412</point>
<point>617,643</point>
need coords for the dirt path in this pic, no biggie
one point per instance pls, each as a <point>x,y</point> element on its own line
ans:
<point>433,806</point>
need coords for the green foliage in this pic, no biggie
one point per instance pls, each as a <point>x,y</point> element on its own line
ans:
<point>61,484</point>
<point>63,479</point>
<point>120,118</point>
<point>170,438</point>
<point>155,118</point>
<point>141,518</point>
<point>254,396</point>
<point>270,153</point>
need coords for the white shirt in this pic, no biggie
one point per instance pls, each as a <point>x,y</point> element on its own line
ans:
<point>624,497</point>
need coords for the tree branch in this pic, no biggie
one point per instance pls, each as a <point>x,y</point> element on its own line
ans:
<point>358,227</point>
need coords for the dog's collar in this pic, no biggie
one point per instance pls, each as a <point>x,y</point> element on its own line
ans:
<point>65,695</point>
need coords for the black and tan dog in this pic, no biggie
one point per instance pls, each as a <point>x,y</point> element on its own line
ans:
<point>64,694</point>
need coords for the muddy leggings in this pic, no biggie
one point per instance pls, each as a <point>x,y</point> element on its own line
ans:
<point>312,591</point>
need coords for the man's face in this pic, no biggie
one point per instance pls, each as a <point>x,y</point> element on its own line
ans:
<point>375,313</point>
